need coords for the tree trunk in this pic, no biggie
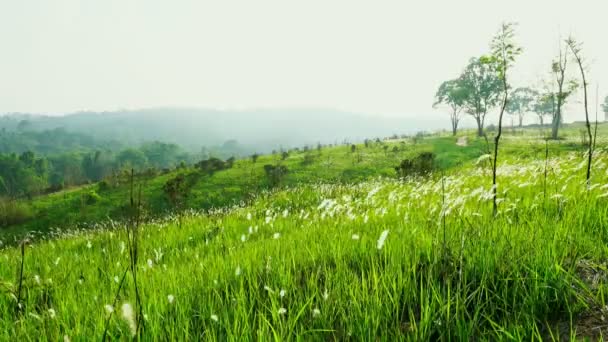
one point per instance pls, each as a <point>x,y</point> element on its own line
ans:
<point>454,123</point>
<point>555,125</point>
<point>479,126</point>
<point>521,120</point>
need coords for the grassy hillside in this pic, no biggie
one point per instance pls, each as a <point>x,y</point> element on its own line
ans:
<point>363,258</point>
<point>240,183</point>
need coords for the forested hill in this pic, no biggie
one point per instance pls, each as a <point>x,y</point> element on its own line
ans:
<point>259,130</point>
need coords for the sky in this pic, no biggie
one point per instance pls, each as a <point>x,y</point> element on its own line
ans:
<point>374,57</point>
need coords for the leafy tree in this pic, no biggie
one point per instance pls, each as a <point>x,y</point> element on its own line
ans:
<point>544,105</point>
<point>453,94</point>
<point>483,87</point>
<point>132,159</point>
<point>521,101</point>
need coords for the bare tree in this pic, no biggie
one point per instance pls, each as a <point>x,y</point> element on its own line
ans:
<point>564,89</point>
<point>576,49</point>
<point>504,52</point>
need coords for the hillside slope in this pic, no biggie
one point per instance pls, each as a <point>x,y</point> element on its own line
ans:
<point>421,259</point>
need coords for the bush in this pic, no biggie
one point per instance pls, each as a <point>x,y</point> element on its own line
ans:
<point>420,165</point>
<point>211,165</point>
<point>308,159</point>
<point>14,212</point>
<point>103,186</point>
<point>91,197</point>
<point>275,173</point>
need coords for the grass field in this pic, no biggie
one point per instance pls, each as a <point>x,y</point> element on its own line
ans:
<point>343,251</point>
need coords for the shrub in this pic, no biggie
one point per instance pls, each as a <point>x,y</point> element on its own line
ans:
<point>103,186</point>
<point>420,165</point>
<point>211,165</point>
<point>14,212</point>
<point>308,159</point>
<point>91,197</point>
<point>275,173</point>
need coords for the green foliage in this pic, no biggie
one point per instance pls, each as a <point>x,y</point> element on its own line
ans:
<point>420,165</point>
<point>483,86</point>
<point>521,101</point>
<point>454,94</point>
<point>91,197</point>
<point>14,212</point>
<point>212,165</point>
<point>275,173</point>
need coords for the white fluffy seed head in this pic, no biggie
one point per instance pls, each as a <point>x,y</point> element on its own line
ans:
<point>129,316</point>
<point>382,239</point>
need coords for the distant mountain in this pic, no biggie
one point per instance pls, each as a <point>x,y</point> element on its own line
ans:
<point>193,128</point>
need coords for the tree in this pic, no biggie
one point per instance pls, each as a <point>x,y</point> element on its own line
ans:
<point>453,94</point>
<point>504,52</point>
<point>544,105</point>
<point>483,87</point>
<point>605,108</point>
<point>520,102</point>
<point>576,49</point>
<point>564,89</point>
<point>132,159</point>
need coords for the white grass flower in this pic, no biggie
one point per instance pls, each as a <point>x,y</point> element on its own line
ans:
<point>52,313</point>
<point>66,338</point>
<point>109,308</point>
<point>282,311</point>
<point>89,245</point>
<point>214,318</point>
<point>250,230</point>
<point>116,279</point>
<point>355,237</point>
<point>248,216</point>
<point>276,235</point>
<point>325,295</point>
<point>150,264</point>
<point>282,293</point>
<point>316,312</point>
<point>285,213</point>
<point>129,316</point>
<point>243,238</point>
<point>268,289</point>
<point>382,239</point>
<point>57,261</point>
<point>171,298</point>
<point>37,279</point>
<point>237,272</point>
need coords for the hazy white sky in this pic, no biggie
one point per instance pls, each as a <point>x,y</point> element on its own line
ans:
<point>377,57</point>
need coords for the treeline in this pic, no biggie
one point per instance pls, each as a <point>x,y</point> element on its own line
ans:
<point>28,173</point>
<point>51,142</point>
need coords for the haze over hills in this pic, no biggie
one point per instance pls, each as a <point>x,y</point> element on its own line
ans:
<point>257,130</point>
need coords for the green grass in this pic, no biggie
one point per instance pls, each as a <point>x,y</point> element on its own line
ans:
<point>535,272</point>
<point>240,183</point>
